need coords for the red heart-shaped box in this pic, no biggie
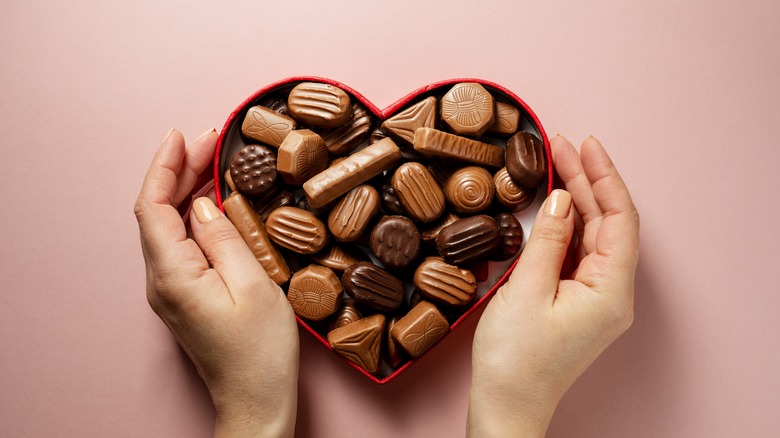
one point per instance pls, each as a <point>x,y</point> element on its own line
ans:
<point>231,134</point>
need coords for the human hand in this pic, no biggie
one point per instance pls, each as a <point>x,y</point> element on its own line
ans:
<point>540,332</point>
<point>233,321</point>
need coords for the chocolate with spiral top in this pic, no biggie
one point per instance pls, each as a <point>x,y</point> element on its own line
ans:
<point>510,194</point>
<point>470,189</point>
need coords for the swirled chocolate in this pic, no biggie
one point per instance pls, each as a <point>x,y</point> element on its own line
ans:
<point>470,190</point>
<point>510,194</point>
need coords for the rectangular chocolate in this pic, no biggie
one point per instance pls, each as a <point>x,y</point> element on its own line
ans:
<point>353,171</point>
<point>266,126</point>
<point>437,143</point>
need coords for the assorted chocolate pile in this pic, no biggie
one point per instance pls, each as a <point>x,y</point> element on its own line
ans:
<point>375,231</point>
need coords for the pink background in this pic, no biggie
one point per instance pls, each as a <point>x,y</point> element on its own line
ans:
<point>685,95</point>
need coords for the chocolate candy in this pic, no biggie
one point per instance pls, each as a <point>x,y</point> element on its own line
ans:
<point>401,126</point>
<point>421,197</point>
<point>430,233</point>
<point>338,257</point>
<point>434,143</point>
<point>281,199</point>
<point>468,109</point>
<point>525,159</point>
<point>360,342</point>
<point>376,135</point>
<point>353,171</point>
<point>253,170</point>
<point>229,181</point>
<point>348,313</point>
<point>314,292</point>
<point>352,214</point>
<point>277,104</point>
<point>444,283</point>
<point>297,230</point>
<point>470,189</point>
<point>468,239</point>
<point>372,286</point>
<point>507,119</point>
<point>395,241</point>
<point>391,203</point>
<point>419,329</point>
<point>510,194</point>
<point>511,237</point>
<point>393,353</point>
<point>251,228</point>
<point>443,169</point>
<point>301,156</point>
<point>267,126</point>
<point>318,104</point>
<point>344,139</point>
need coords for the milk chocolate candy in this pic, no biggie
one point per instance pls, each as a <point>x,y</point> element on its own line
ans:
<point>470,190</point>
<point>432,142</point>
<point>511,237</point>
<point>353,171</point>
<point>395,241</point>
<point>301,155</point>
<point>320,105</point>
<point>360,342</point>
<point>297,230</point>
<point>525,159</point>
<point>443,169</point>
<point>266,126</point>
<point>468,239</point>
<point>253,170</point>
<point>229,181</point>
<point>419,329</point>
<point>507,119</point>
<point>251,228</point>
<point>391,203</point>
<point>421,197</point>
<point>402,125</point>
<point>344,139</point>
<point>445,283</point>
<point>281,199</point>
<point>338,257</point>
<point>347,314</point>
<point>431,232</point>
<point>352,214</point>
<point>468,109</point>
<point>314,292</point>
<point>372,286</point>
<point>510,194</point>
<point>393,353</point>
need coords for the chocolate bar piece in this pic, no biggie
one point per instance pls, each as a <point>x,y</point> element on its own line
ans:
<point>419,329</point>
<point>437,143</point>
<point>297,230</point>
<point>395,241</point>
<point>421,197</point>
<point>301,156</point>
<point>320,105</point>
<point>360,342</point>
<point>253,170</point>
<point>526,161</point>
<point>468,109</point>
<point>344,139</point>
<point>510,194</point>
<point>314,292</point>
<point>445,283</point>
<point>470,190</point>
<point>352,214</point>
<point>251,228</point>
<point>402,125</point>
<point>266,126</point>
<point>468,239</point>
<point>353,171</point>
<point>372,286</point>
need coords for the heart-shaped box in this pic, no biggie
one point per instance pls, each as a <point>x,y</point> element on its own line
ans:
<point>490,278</point>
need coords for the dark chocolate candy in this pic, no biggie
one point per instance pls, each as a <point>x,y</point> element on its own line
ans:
<point>344,139</point>
<point>267,206</point>
<point>395,241</point>
<point>525,159</point>
<point>253,170</point>
<point>511,236</point>
<point>391,203</point>
<point>372,286</point>
<point>468,239</point>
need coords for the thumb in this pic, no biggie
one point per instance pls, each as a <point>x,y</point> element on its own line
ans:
<point>227,252</point>
<point>538,271</point>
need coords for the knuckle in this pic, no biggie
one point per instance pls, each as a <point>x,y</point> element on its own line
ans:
<point>222,234</point>
<point>552,231</point>
<point>140,207</point>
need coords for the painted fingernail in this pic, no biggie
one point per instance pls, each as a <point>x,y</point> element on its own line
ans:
<point>207,133</point>
<point>168,134</point>
<point>558,203</point>
<point>205,210</point>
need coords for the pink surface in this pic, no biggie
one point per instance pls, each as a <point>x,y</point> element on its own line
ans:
<point>685,95</point>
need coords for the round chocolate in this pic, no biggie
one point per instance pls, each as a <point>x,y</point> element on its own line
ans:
<point>470,189</point>
<point>510,194</point>
<point>395,241</point>
<point>511,237</point>
<point>253,170</point>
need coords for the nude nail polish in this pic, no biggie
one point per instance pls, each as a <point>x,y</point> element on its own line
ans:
<point>205,210</point>
<point>558,203</point>
<point>206,133</point>
<point>168,134</point>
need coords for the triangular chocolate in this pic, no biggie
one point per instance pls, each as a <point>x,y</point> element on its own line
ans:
<point>420,115</point>
<point>360,341</point>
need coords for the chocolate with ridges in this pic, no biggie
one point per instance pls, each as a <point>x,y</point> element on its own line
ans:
<point>267,206</point>
<point>431,231</point>
<point>420,195</point>
<point>526,161</point>
<point>339,257</point>
<point>352,214</point>
<point>511,237</point>
<point>444,283</point>
<point>372,286</point>
<point>253,170</point>
<point>435,143</point>
<point>297,230</point>
<point>468,109</point>
<point>320,105</point>
<point>314,292</point>
<point>402,125</point>
<point>395,241</point>
<point>344,139</point>
<point>266,126</point>
<point>468,239</point>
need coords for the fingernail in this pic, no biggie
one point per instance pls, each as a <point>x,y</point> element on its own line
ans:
<point>558,203</point>
<point>168,134</point>
<point>207,133</point>
<point>205,210</point>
